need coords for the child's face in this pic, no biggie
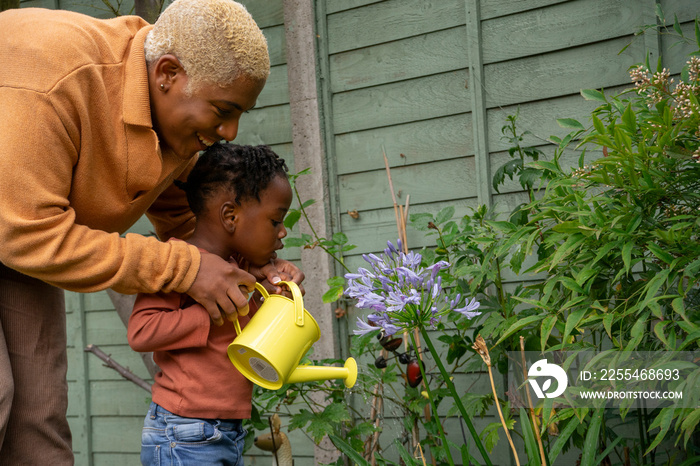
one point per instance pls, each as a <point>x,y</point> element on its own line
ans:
<point>259,224</point>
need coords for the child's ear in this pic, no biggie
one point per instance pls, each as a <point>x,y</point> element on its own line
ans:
<point>229,213</point>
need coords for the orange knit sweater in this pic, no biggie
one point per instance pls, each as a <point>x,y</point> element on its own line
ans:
<point>79,160</point>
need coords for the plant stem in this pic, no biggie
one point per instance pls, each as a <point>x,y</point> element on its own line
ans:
<point>455,396</point>
<point>535,426</point>
<point>445,445</point>
<point>500,414</point>
<point>313,231</point>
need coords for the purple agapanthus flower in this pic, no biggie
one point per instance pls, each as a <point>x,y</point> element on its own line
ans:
<point>470,309</point>
<point>401,293</point>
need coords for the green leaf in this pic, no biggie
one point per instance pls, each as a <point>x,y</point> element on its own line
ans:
<point>637,332</point>
<point>573,320</point>
<point>607,323</point>
<point>562,439</point>
<point>603,251</point>
<point>571,284</point>
<point>677,25</point>
<point>529,437</point>
<point>653,286</point>
<point>403,453</point>
<point>690,422</point>
<point>546,329</point>
<point>308,203</point>
<point>340,238</point>
<point>660,253</point>
<point>599,127</point>
<point>420,221</point>
<point>663,421</point>
<point>593,94</point>
<point>333,295</point>
<point>570,243</point>
<point>294,242</point>
<point>629,118</point>
<point>291,219</point>
<point>570,123</point>
<point>336,281</point>
<point>517,326</point>
<point>659,331</point>
<point>660,14</point>
<point>444,215</point>
<point>608,450</point>
<point>627,255</point>
<point>590,444</point>
<point>349,451</point>
<point>490,435</point>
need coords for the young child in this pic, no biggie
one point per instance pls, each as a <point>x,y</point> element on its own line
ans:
<point>239,196</point>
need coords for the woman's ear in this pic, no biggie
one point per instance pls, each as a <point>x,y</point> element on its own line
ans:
<point>228,214</point>
<point>167,70</point>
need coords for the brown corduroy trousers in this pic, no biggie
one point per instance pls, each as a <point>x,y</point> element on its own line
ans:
<point>33,365</point>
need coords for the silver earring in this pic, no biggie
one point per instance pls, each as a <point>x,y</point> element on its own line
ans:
<point>162,87</point>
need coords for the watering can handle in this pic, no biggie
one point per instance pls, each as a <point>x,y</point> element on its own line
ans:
<point>298,304</point>
<point>296,294</point>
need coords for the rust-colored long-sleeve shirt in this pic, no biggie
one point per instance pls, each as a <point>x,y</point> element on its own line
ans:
<point>196,379</point>
<point>79,159</point>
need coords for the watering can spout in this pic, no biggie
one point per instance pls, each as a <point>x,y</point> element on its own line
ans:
<point>318,373</point>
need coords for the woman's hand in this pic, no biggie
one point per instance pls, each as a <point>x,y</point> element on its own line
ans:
<point>222,288</point>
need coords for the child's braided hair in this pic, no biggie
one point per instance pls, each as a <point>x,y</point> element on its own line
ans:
<point>245,170</point>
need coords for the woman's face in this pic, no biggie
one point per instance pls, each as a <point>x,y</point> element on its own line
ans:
<point>187,123</point>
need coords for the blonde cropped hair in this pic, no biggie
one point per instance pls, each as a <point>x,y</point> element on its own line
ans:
<point>216,41</point>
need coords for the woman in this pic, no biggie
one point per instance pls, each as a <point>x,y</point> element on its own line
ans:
<point>98,117</point>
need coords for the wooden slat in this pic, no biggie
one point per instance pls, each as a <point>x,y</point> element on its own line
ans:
<point>276,45</point>
<point>98,301</point>
<point>561,73</point>
<point>539,119</point>
<point>374,228</point>
<point>686,10</point>
<point>496,8</point>
<point>419,142</point>
<point>105,328</point>
<point>265,13</point>
<point>117,434</point>
<point>132,401</point>
<point>391,20</point>
<point>675,53</point>
<point>116,459</point>
<point>334,6</point>
<point>437,52</point>
<point>437,181</point>
<point>558,27</point>
<point>276,91</point>
<point>269,125</point>
<point>418,99</point>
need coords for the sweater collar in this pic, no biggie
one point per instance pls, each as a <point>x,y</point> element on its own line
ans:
<point>137,103</point>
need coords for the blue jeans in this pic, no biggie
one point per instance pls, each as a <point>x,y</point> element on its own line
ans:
<point>168,439</point>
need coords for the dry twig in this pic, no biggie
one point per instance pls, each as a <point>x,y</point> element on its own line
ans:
<point>482,349</point>
<point>123,371</point>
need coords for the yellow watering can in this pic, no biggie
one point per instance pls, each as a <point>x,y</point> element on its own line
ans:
<point>267,352</point>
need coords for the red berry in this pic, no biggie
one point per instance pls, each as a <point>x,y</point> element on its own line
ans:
<point>413,374</point>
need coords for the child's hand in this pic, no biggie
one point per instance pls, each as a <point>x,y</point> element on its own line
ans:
<point>279,270</point>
